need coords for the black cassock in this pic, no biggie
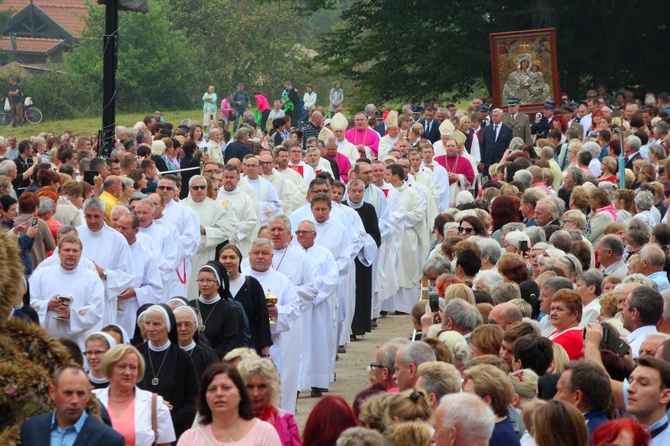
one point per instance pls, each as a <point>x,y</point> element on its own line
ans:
<point>363,312</point>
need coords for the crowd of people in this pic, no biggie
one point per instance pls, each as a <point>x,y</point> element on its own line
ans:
<point>202,281</point>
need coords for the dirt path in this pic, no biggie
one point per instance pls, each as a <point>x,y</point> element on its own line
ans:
<point>351,368</point>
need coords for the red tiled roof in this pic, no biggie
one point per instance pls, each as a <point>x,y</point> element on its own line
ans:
<point>69,14</point>
<point>30,45</point>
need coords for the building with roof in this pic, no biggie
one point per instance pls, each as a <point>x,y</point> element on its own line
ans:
<point>42,29</point>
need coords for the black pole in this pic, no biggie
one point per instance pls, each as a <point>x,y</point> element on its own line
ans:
<point>110,54</point>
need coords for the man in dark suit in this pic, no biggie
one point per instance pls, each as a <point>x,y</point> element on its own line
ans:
<point>631,151</point>
<point>431,128</point>
<point>518,122</point>
<point>542,126</point>
<point>69,423</point>
<point>497,137</point>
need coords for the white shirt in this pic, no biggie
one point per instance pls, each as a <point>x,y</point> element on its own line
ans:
<point>637,337</point>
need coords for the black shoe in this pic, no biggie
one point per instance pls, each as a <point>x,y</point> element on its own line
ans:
<point>400,313</point>
<point>373,323</point>
<point>384,313</point>
<point>353,338</point>
<point>341,349</point>
<point>316,393</point>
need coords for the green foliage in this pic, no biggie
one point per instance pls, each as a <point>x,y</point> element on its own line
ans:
<point>155,62</point>
<point>422,49</point>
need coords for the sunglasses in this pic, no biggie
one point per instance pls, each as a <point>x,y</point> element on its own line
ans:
<point>198,187</point>
<point>461,229</point>
<point>165,187</point>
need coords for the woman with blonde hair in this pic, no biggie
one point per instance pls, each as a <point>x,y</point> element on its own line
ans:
<point>130,408</point>
<point>373,410</point>
<point>486,340</point>
<point>409,405</point>
<point>262,382</point>
<point>459,291</point>
<point>608,166</point>
<point>415,433</point>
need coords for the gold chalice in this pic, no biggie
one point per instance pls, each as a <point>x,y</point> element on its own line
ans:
<point>271,300</point>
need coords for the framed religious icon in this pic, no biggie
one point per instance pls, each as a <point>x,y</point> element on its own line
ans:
<point>523,67</point>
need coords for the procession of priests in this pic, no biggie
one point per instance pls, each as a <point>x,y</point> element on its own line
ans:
<point>306,243</point>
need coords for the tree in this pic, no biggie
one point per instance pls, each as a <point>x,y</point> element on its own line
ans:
<point>420,49</point>
<point>155,62</point>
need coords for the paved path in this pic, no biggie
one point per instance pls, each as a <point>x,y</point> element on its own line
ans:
<point>351,369</point>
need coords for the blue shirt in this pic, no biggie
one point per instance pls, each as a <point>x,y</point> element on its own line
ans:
<point>67,437</point>
<point>661,279</point>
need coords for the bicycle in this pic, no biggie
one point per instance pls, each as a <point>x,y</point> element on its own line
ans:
<point>31,113</point>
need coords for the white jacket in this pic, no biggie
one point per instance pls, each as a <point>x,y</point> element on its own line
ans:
<point>144,434</point>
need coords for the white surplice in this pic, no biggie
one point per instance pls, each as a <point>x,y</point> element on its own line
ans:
<point>294,177</point>
<point>246,211</point>
<point>286,359</point>
<point>188,227</point>
<point>389,251</point>
<point>110,251</point>
<point>267,199</point>
<point>305,171</point>
<point>218,222</point>
<point>320,323</point>
<point>164,236</point>
<point>147,283</point>
<point>441,179</point>
<point>86,310</point>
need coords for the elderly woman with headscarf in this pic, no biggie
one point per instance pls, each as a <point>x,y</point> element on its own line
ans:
<point>222,324</point>
<point>187,332</point>
<point>170,370</point>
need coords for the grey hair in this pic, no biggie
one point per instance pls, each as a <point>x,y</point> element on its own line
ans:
<point>120,208</point>
<point>613,242</point>
<point>666,305</point>
<point>489,278</point>
<point>505,292</point>
<point>490,248</point>
<point>195,178</point>
<point>546,152</point>
<point>634,142</point>
<point>536,234</point>
<point>592,277</point>
<point>593,148</point>
<point>577,174</point>
<point>560,204</point>
<point>417,352</point>
<point>95,204</point>
<point>120,130</point>
<point>651,252</point>
<point>65,229</point>
<point>558,283</point>
<point>637,230</point>
<point>642,280</point>
<point>525,177</point>
<point>7,166</point>
<point>388,356</point>
<point>516,144</point>
<point>513,226</point>
<point>280,217</point>
<point>360,436</point>
<point>644,200</point>
<point>663,127</point>
<point>148,202</point>
<point>658,151</point>
<point>497,110</point>
<point>573,263</point>
<point>473,417</point>
<point>214,130</point>
<point>46,205</point>
<point>126,181</point>
<point>310,223</point>
<point>262,242</point>
<point>465,315</point>
<point>438,263</point>
<point>515,238</point>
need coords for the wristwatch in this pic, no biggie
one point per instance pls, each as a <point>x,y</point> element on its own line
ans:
<point>104,275</point>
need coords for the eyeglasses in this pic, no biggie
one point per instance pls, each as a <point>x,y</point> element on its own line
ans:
<point>94,353</point>
<point>265,163</point>
<point>209,171</point>
<point>466,230</point>
<point>301,232</point>
<point>198,187</point>
<point>206,281</point>
<point>379,366</point>
<point>165,187</point>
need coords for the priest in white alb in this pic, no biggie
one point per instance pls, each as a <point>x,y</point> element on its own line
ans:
<point>68,299</point>
<point>110,253</point>
<point>285,315</point>
<point>266,198</point>
<point>147,286</point>
<point>446,130</point>
<point>389,141</point>
<point>243,206</point>
<point>319,346</point>
<point>216,227</point>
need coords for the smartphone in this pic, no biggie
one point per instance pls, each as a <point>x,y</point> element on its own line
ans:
<point>33,222</point>
<point>67,300</point>
<point>434,302</point>
<point>523,246</point>
<point>89,176</point>
<point>614,343</point>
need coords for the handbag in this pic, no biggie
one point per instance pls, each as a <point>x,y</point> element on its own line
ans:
<point>7,106</point>
<point>154,416</point>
